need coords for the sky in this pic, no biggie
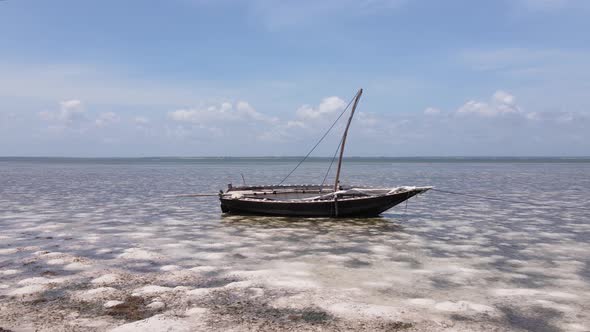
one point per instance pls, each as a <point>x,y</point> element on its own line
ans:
<point>267,77</point>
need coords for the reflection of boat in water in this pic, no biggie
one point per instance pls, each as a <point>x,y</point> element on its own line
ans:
<point>316,200</point>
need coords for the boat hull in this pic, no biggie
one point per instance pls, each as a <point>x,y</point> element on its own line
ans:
<point>354,207</point>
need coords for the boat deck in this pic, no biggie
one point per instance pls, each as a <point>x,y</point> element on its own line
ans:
<point>308,193</point>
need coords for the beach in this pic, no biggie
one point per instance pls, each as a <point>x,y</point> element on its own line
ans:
<point>104,245</point>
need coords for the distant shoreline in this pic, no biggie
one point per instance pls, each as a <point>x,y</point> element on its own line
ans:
<point>426,159</point>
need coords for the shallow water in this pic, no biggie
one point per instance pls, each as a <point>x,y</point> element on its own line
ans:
<point>442,261</point>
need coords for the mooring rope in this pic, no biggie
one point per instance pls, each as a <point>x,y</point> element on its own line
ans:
<point>509,200</point>
<point>318,143</point>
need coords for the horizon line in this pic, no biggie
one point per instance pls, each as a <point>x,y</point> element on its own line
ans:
<point>311,157</point>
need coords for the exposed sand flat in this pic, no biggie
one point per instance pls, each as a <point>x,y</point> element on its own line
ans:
<point>159,323</point>
<point>107,279</point>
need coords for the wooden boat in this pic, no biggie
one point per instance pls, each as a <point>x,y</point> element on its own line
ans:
<point>316,200</point>
<point>309,201</point>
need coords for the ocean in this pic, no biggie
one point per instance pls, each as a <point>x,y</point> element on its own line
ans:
<point>440,261</point>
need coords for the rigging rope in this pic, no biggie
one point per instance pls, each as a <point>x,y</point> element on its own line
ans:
<point>318,143</point>
<point>509,200</point>
<point>331,162</point>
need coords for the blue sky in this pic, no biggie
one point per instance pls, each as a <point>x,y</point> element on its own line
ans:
<point>266,77</point>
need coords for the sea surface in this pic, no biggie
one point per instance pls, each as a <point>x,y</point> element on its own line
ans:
<point>518,261</point>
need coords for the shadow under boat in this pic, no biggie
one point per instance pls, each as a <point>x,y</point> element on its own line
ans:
<point>354,226</point>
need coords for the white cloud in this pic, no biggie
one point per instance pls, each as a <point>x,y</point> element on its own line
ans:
<point>503,98</point>
<point>219,114</point>
<point>538,74</point>
<point>73,104</point>
<point>474,107</point>
<point>502,103</point>
<point>327,106</point>
<point>225,119</point>
<point>307,119</point>
<point>479,126</point>
<point>566,117</point>
<point>245,110</point>
<point>533,116</point>
<point>140,120</point>
<point>69,112</point>
<point>105,119</point>
<point>431,111</point>
<point>367,119</point>
<point>295,124</point>
<point>72,114</point>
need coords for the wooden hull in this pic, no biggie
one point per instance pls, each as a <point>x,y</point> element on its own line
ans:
<point>349,207</point>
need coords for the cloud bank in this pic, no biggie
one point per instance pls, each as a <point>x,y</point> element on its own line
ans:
<point>498,125</point>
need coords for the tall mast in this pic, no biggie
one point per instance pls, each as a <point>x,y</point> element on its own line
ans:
<point>356,100</point>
